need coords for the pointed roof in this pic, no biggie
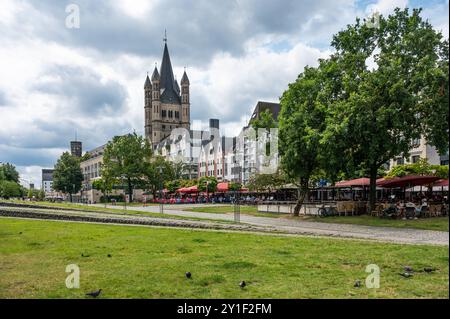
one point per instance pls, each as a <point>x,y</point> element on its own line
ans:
<point>155,75</point>
<point>167,80</point>
<point>177,87</point>
<point>184,79</point>
<point>147,84</point>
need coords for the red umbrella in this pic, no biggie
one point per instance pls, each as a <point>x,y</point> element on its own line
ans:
<point>407,181</point>
<point>442,182</point>
<point>223,187</point>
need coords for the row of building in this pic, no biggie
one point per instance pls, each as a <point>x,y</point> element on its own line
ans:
<point>204,152</point>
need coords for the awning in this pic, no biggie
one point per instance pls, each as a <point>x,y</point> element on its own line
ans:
<point>407,181</point>
<point>442,182</point>
<point>364,181</point>
<point>358,182</point>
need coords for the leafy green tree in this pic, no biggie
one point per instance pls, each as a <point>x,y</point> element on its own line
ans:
<point>158,171</point>
<point>10,189</point>
<point>30,193</point>
<point>211,181</point>
<point>380,110</point>
<point>67,176</point>
<point>125,159</point>
<point>104,184</point>
<point>8,172</point>
<point>302,122</point>
<point>234,187</point>
<point>41,195</point>
<point>266,182</point>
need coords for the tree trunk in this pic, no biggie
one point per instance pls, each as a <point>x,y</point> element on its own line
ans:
<point>70,197</point>
<point>302,193</point>
<point>130,191</point>
<point>372,189</point>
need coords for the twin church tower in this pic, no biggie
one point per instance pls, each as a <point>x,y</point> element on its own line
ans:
<point>166,106</point>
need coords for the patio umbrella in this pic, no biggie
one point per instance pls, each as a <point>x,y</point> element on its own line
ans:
<point>223,187</point>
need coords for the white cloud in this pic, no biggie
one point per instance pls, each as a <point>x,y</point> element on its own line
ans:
<point>238,56</point>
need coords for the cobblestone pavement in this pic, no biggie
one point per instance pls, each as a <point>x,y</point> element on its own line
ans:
<point>388,234</point>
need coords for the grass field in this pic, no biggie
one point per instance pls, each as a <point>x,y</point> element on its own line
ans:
<point>151,262</point>
<point>435,223</point>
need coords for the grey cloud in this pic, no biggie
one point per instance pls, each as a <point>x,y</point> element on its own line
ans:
<point>3,99</point>
<point>196,29</point>
<point>84,90</point>
<point>26,157</point>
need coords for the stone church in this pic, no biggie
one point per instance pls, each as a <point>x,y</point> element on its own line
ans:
<point>166,105</point>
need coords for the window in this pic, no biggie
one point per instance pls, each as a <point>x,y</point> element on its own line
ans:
<point>164,113</point>
<point>177,114</point>
<point>416,142</point>
<point>415,159</point>
<point>400,161</point>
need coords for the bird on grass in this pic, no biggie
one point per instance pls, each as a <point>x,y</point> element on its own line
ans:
<point>109,256</point>
<point>357,284</point>
<point>242,284</point>
<point>83,255</point>
<point>188,275</point>
<point>408,269</point>
<point>428,269</point>
<point>20,233</point>
<point>406,274</point>
<point>94,294</point>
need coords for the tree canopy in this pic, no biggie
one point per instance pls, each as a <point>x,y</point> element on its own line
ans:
<point>125,159</point>
<point>67,176</point>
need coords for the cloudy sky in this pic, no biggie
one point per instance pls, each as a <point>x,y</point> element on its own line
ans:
<point>56,81</point>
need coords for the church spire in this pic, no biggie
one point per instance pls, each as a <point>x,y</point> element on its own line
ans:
<point>167,77</point>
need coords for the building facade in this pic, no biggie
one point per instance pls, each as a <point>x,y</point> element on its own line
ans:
<point>166,105</point>
<point>47,180</point>
<point>76,148</point>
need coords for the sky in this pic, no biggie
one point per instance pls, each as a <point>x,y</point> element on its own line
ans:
<point>58,82</point>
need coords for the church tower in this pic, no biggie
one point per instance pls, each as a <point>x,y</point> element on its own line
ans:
<point>168,107</point>
<point>185,103</point>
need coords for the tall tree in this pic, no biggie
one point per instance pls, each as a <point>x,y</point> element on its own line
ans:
<point>157,172</point>
<point>125,159</point>
<point>394,89</point>
<point>9,172</point>
<point>301,127</point>
<point>67,176</point>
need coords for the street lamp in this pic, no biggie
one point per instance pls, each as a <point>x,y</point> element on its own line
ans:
<point>237,207</point>
<point>161,204</point>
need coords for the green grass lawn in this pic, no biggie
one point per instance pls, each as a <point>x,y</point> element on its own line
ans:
<point>150,262</point>
<point>435,223</point>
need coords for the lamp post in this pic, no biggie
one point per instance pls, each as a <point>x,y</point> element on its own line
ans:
<point>237,207</point>
<point>161,204</point>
